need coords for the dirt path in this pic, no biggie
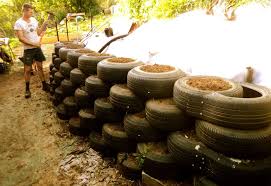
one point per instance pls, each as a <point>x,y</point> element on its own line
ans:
<point>36,147</point>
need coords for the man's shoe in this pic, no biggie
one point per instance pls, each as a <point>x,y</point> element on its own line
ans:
<point>45,87</point>
<point>27,94</point>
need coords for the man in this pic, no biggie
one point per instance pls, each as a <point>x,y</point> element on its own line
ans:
<point>30,35</point>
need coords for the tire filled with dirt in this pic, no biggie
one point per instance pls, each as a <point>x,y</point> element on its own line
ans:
<point>71,106</point>
<point>235,142</point>
<point>186,149</point>
<point>116,138</point>
<point>57,62</point>
<point>76,129</point>
<point>130,165</point>
<point>65,69</point>
<point>233,112</point>
<point>115,70</point>
<point>63,51</point>
<point>124,99</point>
<point>105,111</point>
<point>54,85</point>
<point>203,181</point>
<point>96,87</point>
<point>51,66</point>
<point>153,81</point>
<point>190,92</point>
<point>58,78</point>
<point>83,100</point>
<point>97,142</point>
<point>158,162</point>
<point>59,95</point>
<point>67,87</point>
<point>88,120</point>
<point>53,71</point>
<point>88,62</point>
<point>61,112</point>
<point>164,115</point>
<point>77,77</point>
<point>55,101</point>
<point>231,171</point>
<point>59,45</point>
<point>73,56</point>
<point>138,128</point>
<point>51,78</point>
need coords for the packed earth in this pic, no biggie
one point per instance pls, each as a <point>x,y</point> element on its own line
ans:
<point>37,148</point>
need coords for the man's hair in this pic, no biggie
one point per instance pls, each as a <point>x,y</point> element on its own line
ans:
<point>27,6</point>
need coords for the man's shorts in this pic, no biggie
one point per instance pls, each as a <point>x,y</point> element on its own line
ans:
<point>31,55</point>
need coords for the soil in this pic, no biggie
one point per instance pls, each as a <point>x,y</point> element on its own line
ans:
<point>209,83</point>
<point>123,86</point>
<point>140,115</point>
<point>97,135</point>
<point>132,160</point>
<point>190,134</point>
<point>105,99</point>
<point>117,127</point>
<point>157,68</point>
<point>121,60</point>
<point>84,51</point>
<point>36,147</point>
<point>97,54</point>
<point>74,122</point>
<point>123,89</point>
<point>168,101</point>
<point>159,148</point>
<point>73,46</point>
<point>86,112</point>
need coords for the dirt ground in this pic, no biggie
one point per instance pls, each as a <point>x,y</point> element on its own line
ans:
<point>35,146</point>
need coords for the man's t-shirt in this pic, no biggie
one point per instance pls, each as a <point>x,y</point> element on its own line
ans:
<point>29,30</point>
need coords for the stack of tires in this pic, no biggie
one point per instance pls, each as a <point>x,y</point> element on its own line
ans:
<point>157,119</point>
<point>231,140</point>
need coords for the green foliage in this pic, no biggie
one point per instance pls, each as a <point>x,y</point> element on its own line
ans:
<point>146,9</point>
<point>142,10</point>
<point>59,7</point>
<point>139,10</point>
<point>14,42</point>
<point>90,7</point>
<point>105,4</point>
<point>10,11</point>
<point>171,8</point>
<point>243,2</point>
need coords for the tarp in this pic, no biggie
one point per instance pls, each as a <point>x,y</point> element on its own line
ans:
<point>201,44</point>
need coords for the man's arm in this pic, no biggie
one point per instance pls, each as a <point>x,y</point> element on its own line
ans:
<point>41,30</point>
<point>22,39</point>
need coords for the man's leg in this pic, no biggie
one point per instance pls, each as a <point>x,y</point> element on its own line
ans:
<point>45,86</point>
<point>27,73</point>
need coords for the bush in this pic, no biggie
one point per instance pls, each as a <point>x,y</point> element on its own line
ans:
<point>146,9</point>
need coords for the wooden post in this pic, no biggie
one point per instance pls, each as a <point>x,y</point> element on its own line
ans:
<point>56,31</point>
<point>91,19</point>
<point>67,29</point>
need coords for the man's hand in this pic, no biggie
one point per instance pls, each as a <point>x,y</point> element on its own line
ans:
<point>21,37</point>
<point>42,34</point>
